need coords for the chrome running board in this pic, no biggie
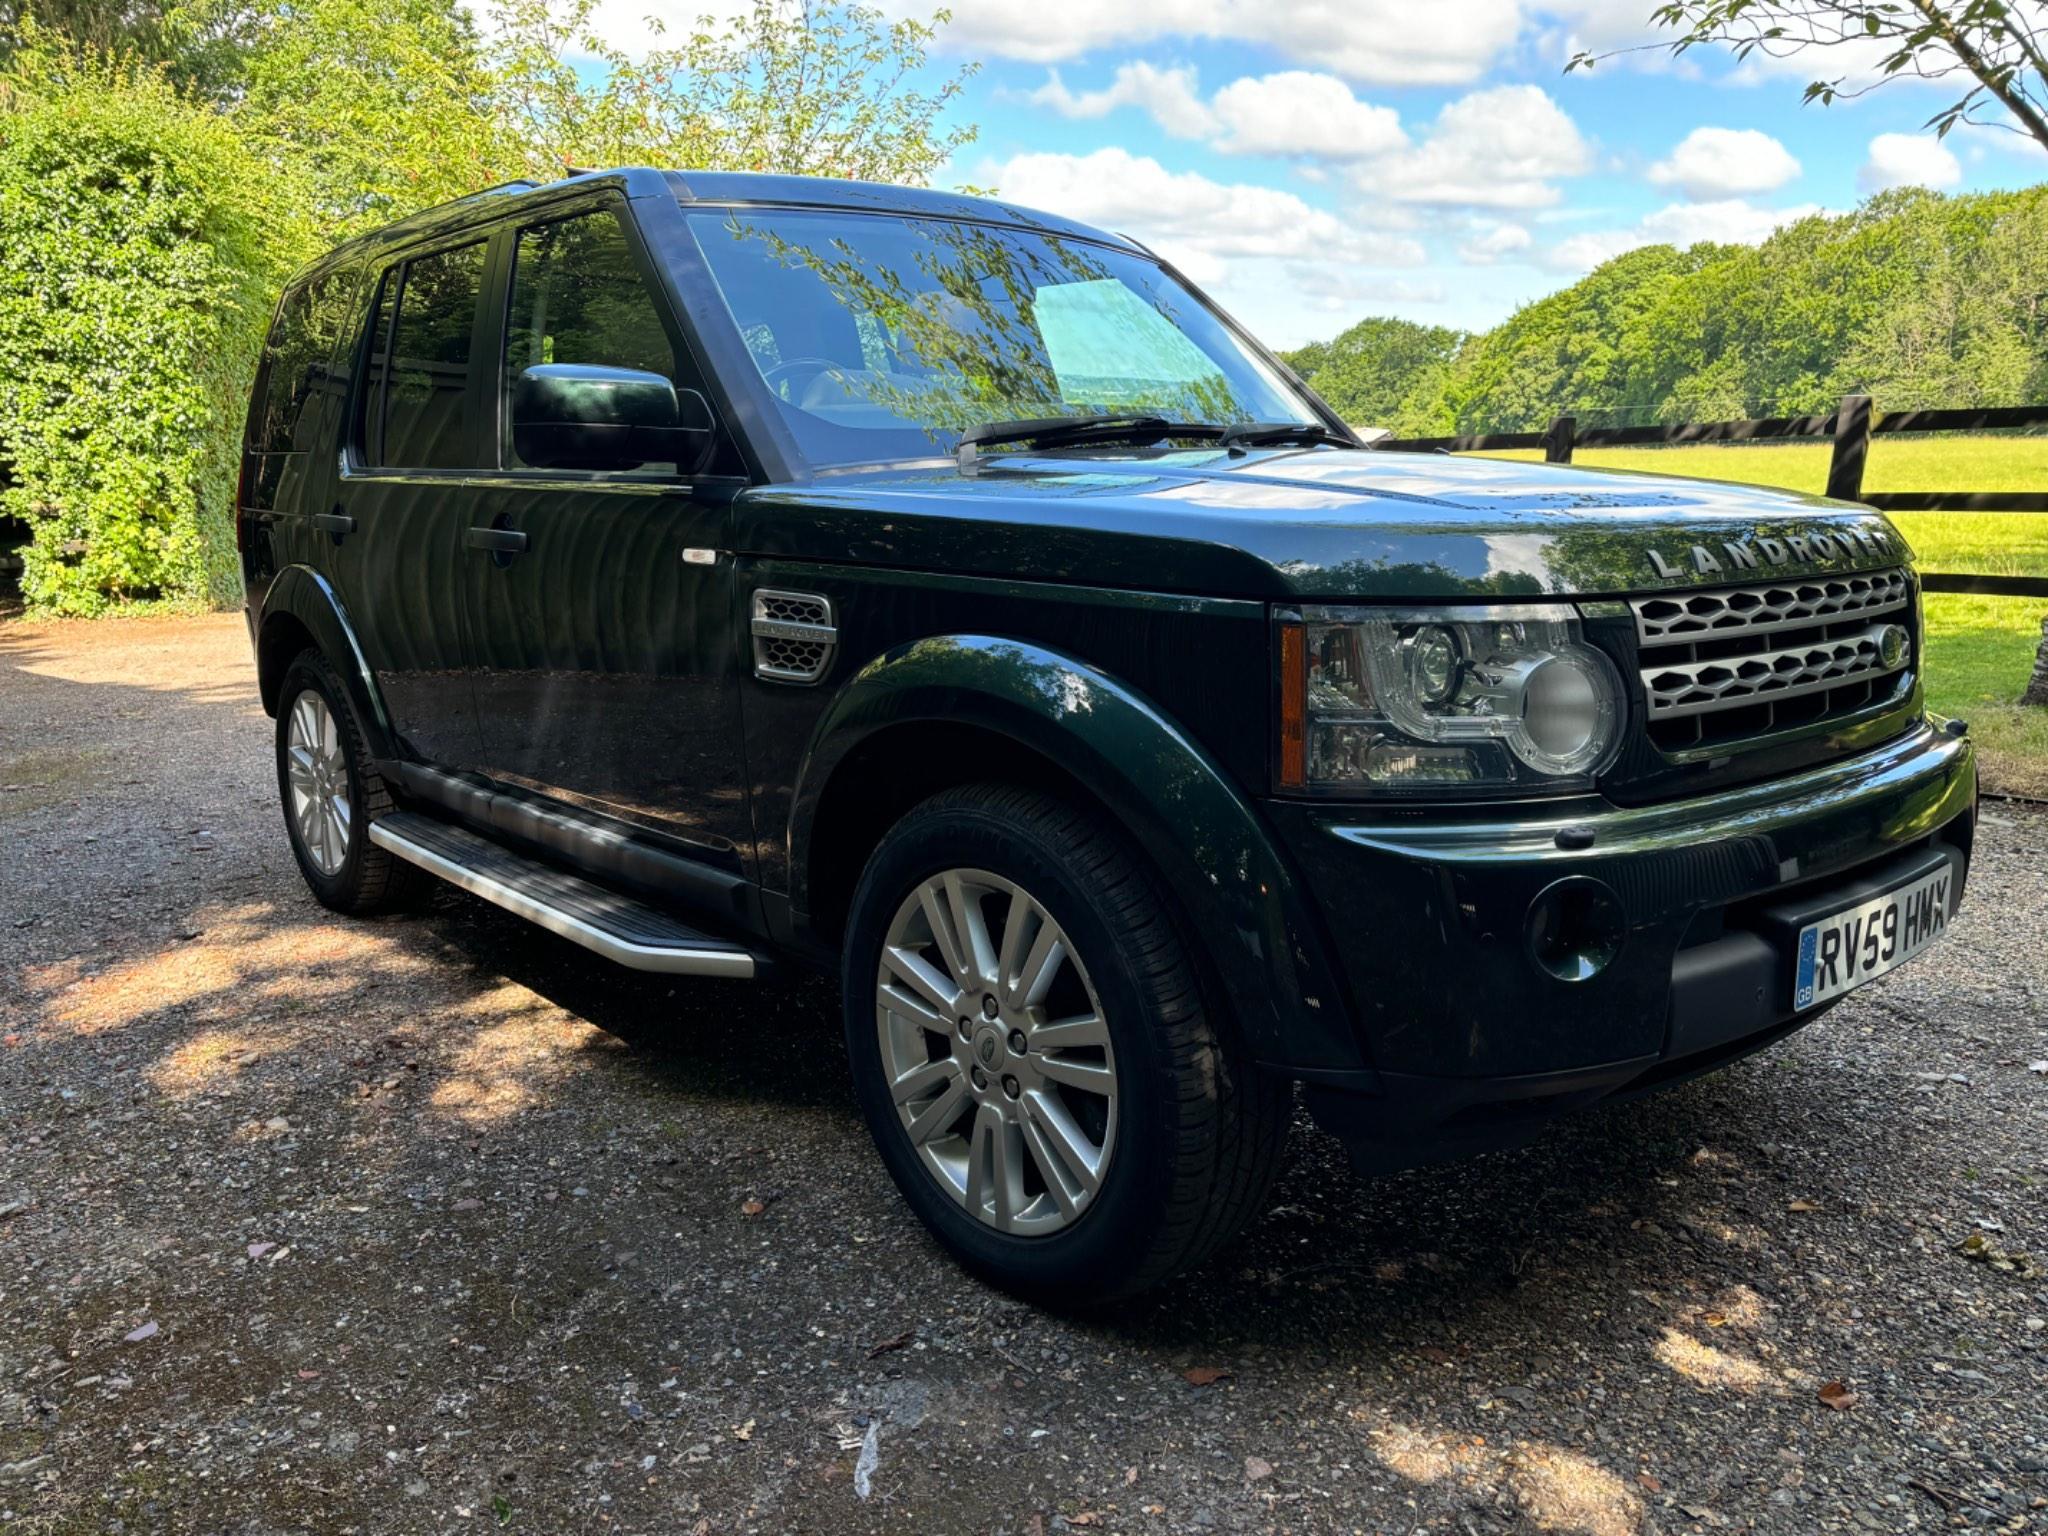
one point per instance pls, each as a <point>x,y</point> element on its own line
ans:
<point>628,932</point>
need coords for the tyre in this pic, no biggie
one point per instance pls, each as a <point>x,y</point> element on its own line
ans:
<point>1036,1058</point>
<point>331,793</point>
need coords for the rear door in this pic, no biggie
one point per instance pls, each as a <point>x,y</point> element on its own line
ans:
<point>418,427</point>
<point>602,645</point>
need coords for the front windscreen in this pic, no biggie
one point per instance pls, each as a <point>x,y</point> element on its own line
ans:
<point>884,338</point>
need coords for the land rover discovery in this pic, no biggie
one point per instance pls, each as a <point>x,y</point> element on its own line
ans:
<point>721,570</point>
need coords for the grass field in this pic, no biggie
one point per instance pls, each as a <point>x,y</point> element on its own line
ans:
<point>1980,650</point>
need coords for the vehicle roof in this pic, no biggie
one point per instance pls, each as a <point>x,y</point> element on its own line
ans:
<point>718,188</point>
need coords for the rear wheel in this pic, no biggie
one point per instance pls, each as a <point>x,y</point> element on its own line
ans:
<point>1035,1056</point>
<point>331,793</point>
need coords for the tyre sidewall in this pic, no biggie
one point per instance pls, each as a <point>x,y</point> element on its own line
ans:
<point>1097,1253</point>
<point>343,887</point>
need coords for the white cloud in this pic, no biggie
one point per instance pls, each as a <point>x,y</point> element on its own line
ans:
<point>1293,113</point>
<point>1299,113</point>
<point>1198,224</point>
<point>1167,95</point>
<point>1499,148</point>
<point>1493,244</point>
<point>1376,41</point>
<point>1725,162</point>
<point>1730,221</point>
<point>1908,160</point>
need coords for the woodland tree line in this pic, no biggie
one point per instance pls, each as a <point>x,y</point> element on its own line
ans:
<point>1915,298</point>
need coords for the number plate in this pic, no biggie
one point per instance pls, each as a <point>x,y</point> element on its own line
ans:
<point>1862,942</point>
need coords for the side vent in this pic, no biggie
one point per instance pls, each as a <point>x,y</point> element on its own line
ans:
<point>794,636</point>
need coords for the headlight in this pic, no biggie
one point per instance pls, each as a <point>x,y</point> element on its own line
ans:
<point>1444,701</point>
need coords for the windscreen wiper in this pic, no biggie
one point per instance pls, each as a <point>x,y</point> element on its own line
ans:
<point>1064,432</point>
<point>1240,436</point>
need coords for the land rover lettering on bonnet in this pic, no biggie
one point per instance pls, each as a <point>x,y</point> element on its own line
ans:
<point>729,573</point>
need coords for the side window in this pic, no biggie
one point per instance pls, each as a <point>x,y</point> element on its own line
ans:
<point>298,382</point>
<point>578,297</point>
<point>413,415</point>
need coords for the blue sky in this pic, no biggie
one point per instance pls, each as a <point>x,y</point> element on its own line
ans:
<point>1310,162</point>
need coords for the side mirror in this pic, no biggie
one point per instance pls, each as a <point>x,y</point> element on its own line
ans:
<point>578,416</point>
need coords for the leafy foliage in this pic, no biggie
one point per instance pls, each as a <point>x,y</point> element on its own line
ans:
<point>164,164</point>
<point>1383,372</point>
<point>145,242</point>
<point>1994,48</point>
<point>1915,298</point>
<point>791,86</point>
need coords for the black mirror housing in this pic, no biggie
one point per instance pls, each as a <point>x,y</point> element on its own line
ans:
<point>579,416</point>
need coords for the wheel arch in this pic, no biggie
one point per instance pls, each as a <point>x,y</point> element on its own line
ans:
<point>300,609</point>
<point>965,708</point>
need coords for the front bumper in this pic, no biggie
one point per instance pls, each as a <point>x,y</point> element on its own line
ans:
<point>1474,1043</point>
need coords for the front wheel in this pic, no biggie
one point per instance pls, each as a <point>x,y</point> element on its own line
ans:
<point>1035,1056</point>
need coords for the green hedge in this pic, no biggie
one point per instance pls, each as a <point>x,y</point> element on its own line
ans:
<point>144,242</point>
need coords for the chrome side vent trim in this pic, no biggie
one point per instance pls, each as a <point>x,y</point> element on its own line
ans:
<point>794,636</point>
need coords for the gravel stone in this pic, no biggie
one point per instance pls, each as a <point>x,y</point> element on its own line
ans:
<point>427,1207</point>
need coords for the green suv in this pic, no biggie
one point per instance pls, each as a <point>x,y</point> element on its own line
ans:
<point>728,570</point>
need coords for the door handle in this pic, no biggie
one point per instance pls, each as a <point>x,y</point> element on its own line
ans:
<point>502,541</point>
<point>336,522</point>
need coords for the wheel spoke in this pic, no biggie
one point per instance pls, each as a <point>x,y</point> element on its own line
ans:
<point>908,1005</point>
<point>940,1113</point>
<point>971,930</point>
<point>916,972</point>
<point>1035,976</point>
<point>1088,1076</point>
<point>939,918</point>
<point>1058,1182</point>
<point>1019,929</point>
<point>1070,1148</point>
<point>995,1185</point>
<point>1084,1029</point>
<point>919,1081</point>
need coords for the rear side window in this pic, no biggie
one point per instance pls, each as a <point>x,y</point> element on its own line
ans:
<point>297,383</point>
<point>414,414</point>
<point>578,297</point>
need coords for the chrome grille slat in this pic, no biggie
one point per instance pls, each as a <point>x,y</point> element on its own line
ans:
<point>1700,687</point>
<point>1669,619</point>
<point>1739,664</point>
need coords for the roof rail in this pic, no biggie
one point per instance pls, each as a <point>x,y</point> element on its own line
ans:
<point>418,216</point>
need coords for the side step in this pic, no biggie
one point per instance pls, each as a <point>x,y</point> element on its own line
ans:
<point>630,932</point>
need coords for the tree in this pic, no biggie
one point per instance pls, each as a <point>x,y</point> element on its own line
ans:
<point>385,106</point>
<point>1995,45</point>
<point>795,86</point>
<point>145,243</point>
<point>1381,372</point>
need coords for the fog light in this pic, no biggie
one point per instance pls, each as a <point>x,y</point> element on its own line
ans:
<point>1575,929</point>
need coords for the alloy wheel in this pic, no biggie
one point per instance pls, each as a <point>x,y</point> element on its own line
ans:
<point>316,776</point>
<point>997,1052</point>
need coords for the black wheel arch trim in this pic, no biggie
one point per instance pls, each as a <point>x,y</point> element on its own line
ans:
<point>1196,826</point>
<point>302,593</point>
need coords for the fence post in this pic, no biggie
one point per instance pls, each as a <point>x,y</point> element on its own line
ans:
<point>1852,447</point>
<point>2037,685</point>
<point>1559,441</point>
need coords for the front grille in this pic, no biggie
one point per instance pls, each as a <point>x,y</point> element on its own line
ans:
<point>1738,663</point>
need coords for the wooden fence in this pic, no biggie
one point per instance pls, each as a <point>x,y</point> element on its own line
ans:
<point>1850,428</point>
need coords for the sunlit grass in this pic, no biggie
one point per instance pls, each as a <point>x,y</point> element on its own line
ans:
<point>1980,650</point>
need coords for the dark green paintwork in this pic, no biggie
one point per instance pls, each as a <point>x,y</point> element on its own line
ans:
<point>1290,525</point>
<point>1110,614</point>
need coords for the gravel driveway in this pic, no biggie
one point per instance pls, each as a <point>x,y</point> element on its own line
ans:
<point>434,1223</point>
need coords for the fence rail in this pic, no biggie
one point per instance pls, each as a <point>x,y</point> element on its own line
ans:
<point>1850,429</point>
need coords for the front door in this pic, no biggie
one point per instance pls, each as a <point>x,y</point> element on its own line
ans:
<point>600,624</point>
